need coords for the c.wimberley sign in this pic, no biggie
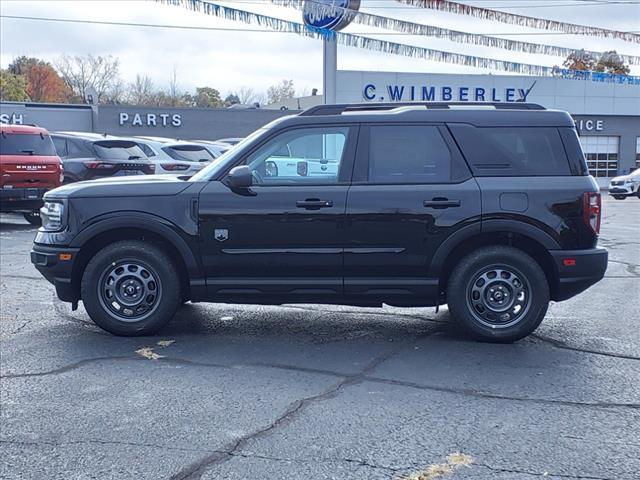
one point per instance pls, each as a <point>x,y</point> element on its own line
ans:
<point>443,93</point>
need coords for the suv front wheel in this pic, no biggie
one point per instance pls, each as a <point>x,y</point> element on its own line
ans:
<point>131,288</point>
<point>498,294</point>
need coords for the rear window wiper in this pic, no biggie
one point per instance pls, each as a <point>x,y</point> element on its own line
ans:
<point>134,157</point>
<point>30,152</point>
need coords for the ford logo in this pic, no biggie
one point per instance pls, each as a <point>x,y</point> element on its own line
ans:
<point>319,14</point>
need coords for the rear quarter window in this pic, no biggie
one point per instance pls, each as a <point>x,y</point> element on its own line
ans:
<point>26,144</point>
<point>512,151</point>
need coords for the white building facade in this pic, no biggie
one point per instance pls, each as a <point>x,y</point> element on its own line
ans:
<point>607,114</point>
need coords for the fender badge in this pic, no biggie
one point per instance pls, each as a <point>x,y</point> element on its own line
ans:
<point>221,234</point>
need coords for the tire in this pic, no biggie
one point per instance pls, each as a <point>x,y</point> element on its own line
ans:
<point>498,294</point>
<point>33,218</point>
<point>131,288</point>
<point>619,197</point>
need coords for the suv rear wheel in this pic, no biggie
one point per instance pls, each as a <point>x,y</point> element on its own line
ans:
<point>498,294</point>
<point>131,288</point>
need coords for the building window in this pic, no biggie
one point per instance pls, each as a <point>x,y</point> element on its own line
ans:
<point>602,155</point>
<point>637,152</point>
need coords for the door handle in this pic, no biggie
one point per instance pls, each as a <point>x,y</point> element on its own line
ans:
<point>314,204</point>
<point>440,203</point>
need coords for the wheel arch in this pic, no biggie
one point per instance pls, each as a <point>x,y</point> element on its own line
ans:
<point>144,227</point>
<point>527,238</point>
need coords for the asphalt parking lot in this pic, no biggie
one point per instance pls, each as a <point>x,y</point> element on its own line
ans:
<point>320,392</point>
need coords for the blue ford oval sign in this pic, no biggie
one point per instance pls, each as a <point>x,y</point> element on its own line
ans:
<point>329,14</point>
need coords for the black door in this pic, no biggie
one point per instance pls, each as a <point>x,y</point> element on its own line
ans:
<point>283,238</point>
<point>411,190</point>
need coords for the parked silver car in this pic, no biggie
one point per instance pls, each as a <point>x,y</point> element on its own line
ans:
<point>625,185</point>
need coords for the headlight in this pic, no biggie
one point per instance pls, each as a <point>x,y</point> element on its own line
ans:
<point>52,216</point>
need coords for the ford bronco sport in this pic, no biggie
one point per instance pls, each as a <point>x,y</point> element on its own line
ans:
<point>29,166</point>
<point>488,208</point>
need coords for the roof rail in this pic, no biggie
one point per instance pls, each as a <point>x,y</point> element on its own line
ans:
<point>337,109</point>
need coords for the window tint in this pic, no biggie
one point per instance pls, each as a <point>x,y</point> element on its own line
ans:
<point>147,150</point>
<point>26,144</point>
<point>513,151</point>
<point>306,155</point>
<point>61,146</point>
<point>189,153</point>
<point>75,149</point>
<point>408,154</point>
<point>118,150</point>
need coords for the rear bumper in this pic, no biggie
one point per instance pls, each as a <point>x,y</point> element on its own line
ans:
<point>59,272</point>
<point>21,199</point>
<point>578,270</point>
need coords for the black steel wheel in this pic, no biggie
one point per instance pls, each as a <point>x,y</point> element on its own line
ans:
<point>131,288</point>
<point>498,294</point>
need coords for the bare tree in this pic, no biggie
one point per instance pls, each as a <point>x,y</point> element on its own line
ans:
<point>174,88</point>
<point>141,91</point>
<point>281,91</point>
<point>83,72</point>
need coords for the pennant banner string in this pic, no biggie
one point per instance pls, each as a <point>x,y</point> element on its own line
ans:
<point>321,10</point>
<point>522,20</point>
<point>350,40</point>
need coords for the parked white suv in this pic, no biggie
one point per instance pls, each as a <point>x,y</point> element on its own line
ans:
<point>625,185</point>
<point>174,156</point>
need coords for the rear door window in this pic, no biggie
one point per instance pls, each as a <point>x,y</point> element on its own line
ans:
<point>60,145</point>
<point>189,153</point>
<point>408,154</point>
<point>26,144</point>
<point>118,150</point>
<point>512,151</point>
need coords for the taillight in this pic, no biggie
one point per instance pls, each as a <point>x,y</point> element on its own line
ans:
<point>61,172</point>
<point>592,210</point>
<point>175,166</point>
<point>99,165</point>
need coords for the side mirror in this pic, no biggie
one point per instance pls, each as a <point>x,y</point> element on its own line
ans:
<point>240,177</point>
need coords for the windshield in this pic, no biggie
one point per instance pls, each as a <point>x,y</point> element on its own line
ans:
<point>26,144</point>
<point>118,150</point>
<point>189,153</point>
<point>225,159</point>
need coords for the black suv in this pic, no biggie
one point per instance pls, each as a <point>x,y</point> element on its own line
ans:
<point>487,208</point>
<point>88,156</point>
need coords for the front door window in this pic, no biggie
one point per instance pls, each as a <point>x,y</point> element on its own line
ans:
<point>301,156</point>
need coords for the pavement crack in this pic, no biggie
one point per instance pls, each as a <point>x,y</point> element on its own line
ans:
<point>98,442</point>
<point>197,469</point>
<point>561,345</point>
<point>632,268</point>
<point>496,396</point>
<point>67,368</point>
<point>538,474</point>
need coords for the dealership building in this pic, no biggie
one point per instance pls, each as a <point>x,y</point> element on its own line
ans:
<point>607,114</point>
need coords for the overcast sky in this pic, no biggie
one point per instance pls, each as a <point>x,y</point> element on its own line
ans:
<point>228,60</point>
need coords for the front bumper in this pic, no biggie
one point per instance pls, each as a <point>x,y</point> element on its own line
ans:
<point>21,199</point>
<point>49,261</point>
<point>578,270</point>
<point>621,190</point>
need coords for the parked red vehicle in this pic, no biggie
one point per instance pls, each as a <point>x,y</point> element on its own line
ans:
<point>29,166</point>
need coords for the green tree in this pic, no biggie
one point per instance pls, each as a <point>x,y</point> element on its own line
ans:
<point>13,87</point>
<point>231,99</point>
<point>207,97</point>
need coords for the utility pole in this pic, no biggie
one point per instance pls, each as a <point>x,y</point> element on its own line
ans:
<point>329,69</point>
